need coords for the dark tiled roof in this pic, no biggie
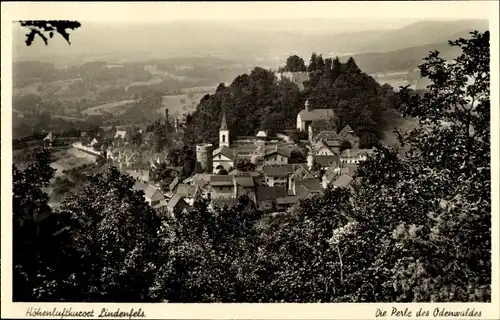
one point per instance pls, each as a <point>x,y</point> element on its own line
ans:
<point>246,182</point>
<point>281,151</point>
<point>225,151</point>
<point>345,131</point>
<point>278,170</point>
<point>317,114</point>
<point>313,185</point>
<point>265,193</point>
<point>326,161</point>
<point>221,180</point>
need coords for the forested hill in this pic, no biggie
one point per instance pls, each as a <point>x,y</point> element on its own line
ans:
<point>257,101</point>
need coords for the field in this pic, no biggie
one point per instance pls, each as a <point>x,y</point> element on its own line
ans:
<point>180,104</point>
<point>113,107</point>
<point>70,158</point>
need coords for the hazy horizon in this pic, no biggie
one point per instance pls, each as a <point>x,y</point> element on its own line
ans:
<point>244,38</point>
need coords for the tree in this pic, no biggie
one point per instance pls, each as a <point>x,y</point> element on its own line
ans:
<point>115,240</point>
<point>427,237</point>
<point>45,29</point>
<point>295,64</point>
<point>312,63</point>
<point>39,272</point>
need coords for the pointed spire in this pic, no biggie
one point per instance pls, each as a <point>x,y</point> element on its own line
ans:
<point>223,125</point>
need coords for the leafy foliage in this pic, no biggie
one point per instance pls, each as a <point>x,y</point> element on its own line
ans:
<point>44,27</point>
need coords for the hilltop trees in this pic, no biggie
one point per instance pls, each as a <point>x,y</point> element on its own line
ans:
<point>295,64</point>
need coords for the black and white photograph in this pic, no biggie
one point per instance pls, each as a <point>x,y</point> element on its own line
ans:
<point>260,158</point>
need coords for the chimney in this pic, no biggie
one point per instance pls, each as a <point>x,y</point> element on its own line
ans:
<point>306,106</point>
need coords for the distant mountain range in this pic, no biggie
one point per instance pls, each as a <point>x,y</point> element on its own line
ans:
<point>242,42</point>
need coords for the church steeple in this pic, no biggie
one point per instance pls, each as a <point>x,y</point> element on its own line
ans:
<point>223,125</point>
<point>223,131</point>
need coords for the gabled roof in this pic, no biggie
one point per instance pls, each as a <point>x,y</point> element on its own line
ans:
<point>222,180</point>
<point>318,114</point>
<point>265,193</point>
<point>326,161</point>
<point>281,151</point>
<point>175,201</point>
<point>342,181</point>
<point>153,193</point>
<point>327,135</point>
<point>225,151</point>
<point>313,185</point>
<point>302,173</point>
<point>246,182</point>
<point>347,129</point>
<point>276,171</point>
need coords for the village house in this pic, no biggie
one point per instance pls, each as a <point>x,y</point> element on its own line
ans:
<point>222,186</point>
<point>276,175</point>
<point>324,161</point>
<point>190,193</point>
<point>319,118</point>
<point>277,156</point>
<point>267,196</point>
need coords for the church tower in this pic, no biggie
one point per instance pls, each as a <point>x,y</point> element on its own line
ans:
<point>223,132</point>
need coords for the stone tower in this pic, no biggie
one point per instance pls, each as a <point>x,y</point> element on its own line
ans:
<point>223,132</point>
<point>204,156</point>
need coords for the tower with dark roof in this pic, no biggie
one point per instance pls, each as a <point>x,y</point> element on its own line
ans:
<point>223,132</point>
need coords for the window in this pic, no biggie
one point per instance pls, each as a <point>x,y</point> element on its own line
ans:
<point>223,138</point>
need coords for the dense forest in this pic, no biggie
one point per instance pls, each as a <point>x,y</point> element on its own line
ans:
<point>415,228</point>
